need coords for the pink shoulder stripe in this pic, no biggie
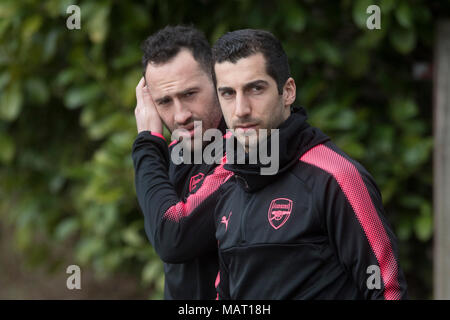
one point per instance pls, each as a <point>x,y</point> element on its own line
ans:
<point>210,184</point>
<point>351,183</point>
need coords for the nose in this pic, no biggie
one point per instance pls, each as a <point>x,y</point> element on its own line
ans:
<point>182,114</point>
<point>243,108</point>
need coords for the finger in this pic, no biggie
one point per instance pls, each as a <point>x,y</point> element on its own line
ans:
<point>148,101</point>
<point>145,89</point>
<point>139,96</point>
<point>141,83</point>
<point>147,97</point>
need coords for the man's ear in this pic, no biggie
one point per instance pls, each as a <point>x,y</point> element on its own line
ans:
<point>289,92</point>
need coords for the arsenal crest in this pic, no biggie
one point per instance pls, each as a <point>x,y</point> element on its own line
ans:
<point>279,212</point>
<point>195,180</point>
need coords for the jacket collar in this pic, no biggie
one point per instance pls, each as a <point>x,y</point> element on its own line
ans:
<point>296,137</point>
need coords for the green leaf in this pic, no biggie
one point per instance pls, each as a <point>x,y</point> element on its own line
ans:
<point>37,90</point>
<point>329,52</point>
<point>50,45</point>
<point>77,97</point>
<point>403,40</point>
<point>306,54</point>
<point>56,183</point>
<point>128,85</point>
<point>387,5</point>
<point>360,14</point>
<point>295,17</point>
<point>151,272</point>
<point>417,151</point>
<point>98,24</point>
<point>404,229</point>
<point>30,26</point>
<point>4,25</point>
<point>423,224</point>
<point>132,237</point>
<point>383,138</point>
<point>66,228</point>
<point>403,109</point>
<point>353,148</point>
<point>404,15</point>
<point>105,126</point>
<point>411,201</point>
<point>7,148</point>
<point>345,120</point>
<point>357,63</point>
<point>310,89</point>
<point>11,102</point>
<point>371,39</point>
<point>4,80</point>
<point>130,57</point>
<point>8,9</point>
<point>89,248</point>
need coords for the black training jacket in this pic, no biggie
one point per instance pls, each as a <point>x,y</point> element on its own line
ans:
<point>315,230</point>
<point>176,200</point>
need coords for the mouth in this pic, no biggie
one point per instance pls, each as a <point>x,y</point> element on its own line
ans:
<point>244,128</point>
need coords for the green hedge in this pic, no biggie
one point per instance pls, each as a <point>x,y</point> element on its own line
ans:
<point>67,122</point>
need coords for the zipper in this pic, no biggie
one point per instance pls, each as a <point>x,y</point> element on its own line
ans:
<point>244,213</point>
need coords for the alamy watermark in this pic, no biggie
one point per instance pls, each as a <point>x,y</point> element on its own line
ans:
<point>374,20</point>
<point>260,142</point>
<point>374,279</point>
<point>74,20</point>
<point>74,280</point>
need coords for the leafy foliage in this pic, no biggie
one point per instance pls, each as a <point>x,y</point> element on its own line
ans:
<point>67,122</point>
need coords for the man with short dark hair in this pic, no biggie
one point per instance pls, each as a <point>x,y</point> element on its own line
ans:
<point>314,230</point>
<point>177,89</point>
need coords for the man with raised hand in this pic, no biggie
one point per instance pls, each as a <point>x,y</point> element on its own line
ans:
<point>315,229</point>
<point>178,90</point>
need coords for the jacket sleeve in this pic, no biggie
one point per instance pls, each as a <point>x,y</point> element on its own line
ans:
<point>352,214</point>
<point>222,282</point>
<point>178,230</point>
<point>362,237</point>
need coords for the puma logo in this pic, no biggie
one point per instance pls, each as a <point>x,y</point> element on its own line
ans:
<point>225,220</point>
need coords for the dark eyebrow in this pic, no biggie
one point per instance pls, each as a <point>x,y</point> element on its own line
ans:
<point>221,89</point>
<point>187,90</point>
<point>159,100</point>
<point>255,83</point>
<point>246,86</point>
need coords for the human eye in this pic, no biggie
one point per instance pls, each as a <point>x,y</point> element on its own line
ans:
<point>227,94</point>
<point>190,94</point>
<point>164,102</point>
<point>257,89</point>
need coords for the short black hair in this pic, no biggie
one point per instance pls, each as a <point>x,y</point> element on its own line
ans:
<point>165,44</point>
<point>239,44</point>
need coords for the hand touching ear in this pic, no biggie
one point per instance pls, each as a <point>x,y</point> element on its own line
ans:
<point>147,117</point>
